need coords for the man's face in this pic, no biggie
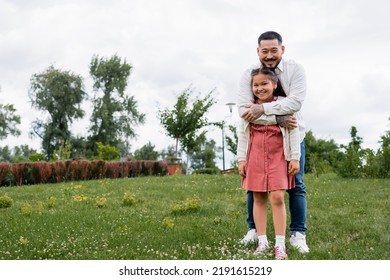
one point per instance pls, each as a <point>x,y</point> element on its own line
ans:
<point>270,53</point>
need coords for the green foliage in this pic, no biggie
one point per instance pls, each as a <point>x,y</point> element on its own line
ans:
<point>37,157</point>
<point>204,159</point>
<point>129,199</point>
<point>146,152</point>
<point>51,202</point>
<point>184,121</point>
<point>210,171</point>
<point>101,202</point>
<point>351,164</point>
<point>5,201</point>
<point>232,141</point>
<point>64,152</point>
<point>383,156</point>
<point>189,205</point>
<point>26,209</point>
<point>168,222</point>
<point>322,156</point>
<point>169,154</point>
<point>8,121</point>
<point>107,152</point>
<point>115,115</point>
<point>60,94</point>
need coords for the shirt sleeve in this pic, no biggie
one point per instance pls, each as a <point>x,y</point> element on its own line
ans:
<point>295,146</point>
<point>245,95</point>
<point>242,143</point>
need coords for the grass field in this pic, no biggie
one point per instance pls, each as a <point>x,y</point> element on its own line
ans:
<point>185,218</point>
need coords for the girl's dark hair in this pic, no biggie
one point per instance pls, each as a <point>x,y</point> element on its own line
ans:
<point>265,71</point>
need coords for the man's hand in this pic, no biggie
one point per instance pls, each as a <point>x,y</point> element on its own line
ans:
<point>293,167</point>
<point>288,121</point>
<point>253,113</point>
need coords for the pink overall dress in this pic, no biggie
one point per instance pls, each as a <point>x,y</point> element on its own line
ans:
<point>266,165</point>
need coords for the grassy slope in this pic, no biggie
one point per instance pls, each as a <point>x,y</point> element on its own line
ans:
<point>347,219</point>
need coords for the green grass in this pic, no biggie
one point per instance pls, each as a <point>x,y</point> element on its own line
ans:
<point>185,218</point>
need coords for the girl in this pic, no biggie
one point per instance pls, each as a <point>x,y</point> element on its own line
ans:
<point>268,158</point>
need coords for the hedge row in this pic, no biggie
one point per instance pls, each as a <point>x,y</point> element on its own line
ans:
<point>18,174</point>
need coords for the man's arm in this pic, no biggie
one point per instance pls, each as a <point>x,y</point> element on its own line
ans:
<point>288,106</point>
<point>296,93</point>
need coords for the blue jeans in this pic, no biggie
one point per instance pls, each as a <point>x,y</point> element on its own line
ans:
<point>297,200</point>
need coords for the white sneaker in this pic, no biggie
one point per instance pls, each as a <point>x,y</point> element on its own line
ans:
<point>298,240</point>
<point>250,237</point>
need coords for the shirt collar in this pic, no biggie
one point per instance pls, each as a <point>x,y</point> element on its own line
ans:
<point>279,68</point>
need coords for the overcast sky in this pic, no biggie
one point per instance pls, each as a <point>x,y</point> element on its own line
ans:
<point>172,44</point>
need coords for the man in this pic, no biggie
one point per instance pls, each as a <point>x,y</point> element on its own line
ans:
<point>292,85</point>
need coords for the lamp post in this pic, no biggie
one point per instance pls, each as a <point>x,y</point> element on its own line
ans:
<point>230,104</point>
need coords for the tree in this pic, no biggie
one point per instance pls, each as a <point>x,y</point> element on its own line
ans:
<point>16,154</point>
<point>146,152</point>
<point>232,142</point>
<point>115,114</point>
<point>64,152</point>
<point>8,121</point>
<point>22,153</point>
<point>205,158</point>
<point>184,121</point>
<point>322,156</point>
<point>383,155</point>
<point>60,94</point>
<point>5,154</point>
<point>351,164</point>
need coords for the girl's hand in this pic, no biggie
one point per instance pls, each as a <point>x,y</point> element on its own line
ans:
<point>242,168</point>
<point>293,167</point>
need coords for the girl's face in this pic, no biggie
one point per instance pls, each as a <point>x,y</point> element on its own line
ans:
<point>263,87</point>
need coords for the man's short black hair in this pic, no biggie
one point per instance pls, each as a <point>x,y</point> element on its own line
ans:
<point>270,35</point>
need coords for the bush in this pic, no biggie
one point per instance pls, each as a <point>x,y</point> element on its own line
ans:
<point>98,169</point>
<point>129,199</point>
<point>107,152</point>
<point>188,206</point>
<point>41,172</point>
<point>134,168</point>
<point>113,169</point>
<point>75,170</point>
<point>58,171</point>
<point>79,170</point>
<point>5,174</point>
<point>125,169</point>
<point>5,201</point>
<point>209,171</point>
<point>21,173</point>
